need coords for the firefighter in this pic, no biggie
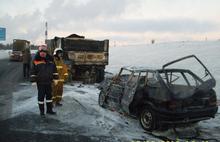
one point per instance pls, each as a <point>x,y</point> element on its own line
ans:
<point>57,88</point>
<point>43,72</point>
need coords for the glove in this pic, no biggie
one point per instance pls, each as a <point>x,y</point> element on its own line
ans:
<point>65,76</point>
<point>55,82</point>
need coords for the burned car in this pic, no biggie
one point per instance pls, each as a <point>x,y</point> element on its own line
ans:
<point>169,96</point>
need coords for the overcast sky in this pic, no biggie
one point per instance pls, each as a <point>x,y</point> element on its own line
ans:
<point>121,21</point>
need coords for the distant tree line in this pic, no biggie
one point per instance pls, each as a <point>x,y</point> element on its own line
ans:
<point>10,45</point>
<point>5,46</point>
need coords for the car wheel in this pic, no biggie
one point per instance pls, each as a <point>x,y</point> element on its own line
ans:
<point>102,100</point>
<point>148,119</point>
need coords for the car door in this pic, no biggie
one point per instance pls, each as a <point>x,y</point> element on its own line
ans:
<point>115,89</point>
<point>129,91</point>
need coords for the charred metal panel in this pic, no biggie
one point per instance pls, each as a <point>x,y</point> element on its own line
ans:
<point>176,95</point>
<point>114,95</point>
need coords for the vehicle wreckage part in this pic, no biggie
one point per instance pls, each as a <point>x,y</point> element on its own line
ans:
<point>101,100</point>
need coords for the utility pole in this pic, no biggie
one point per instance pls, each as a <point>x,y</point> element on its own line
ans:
<point>46,34</point>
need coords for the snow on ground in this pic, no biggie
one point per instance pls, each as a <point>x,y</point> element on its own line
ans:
<point>81,110</point>
<point>4,54</point>
<point>81,114</point>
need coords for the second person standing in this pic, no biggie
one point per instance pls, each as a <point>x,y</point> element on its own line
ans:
<point>57,86</point>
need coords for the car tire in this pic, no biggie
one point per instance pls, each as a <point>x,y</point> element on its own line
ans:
<point>147,119</point>
<point>102,99</point>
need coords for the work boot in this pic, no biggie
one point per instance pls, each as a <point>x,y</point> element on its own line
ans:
<point>41,108</point>
<point>50,108</point>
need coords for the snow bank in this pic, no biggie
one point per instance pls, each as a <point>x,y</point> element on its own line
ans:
<point>4,54</point>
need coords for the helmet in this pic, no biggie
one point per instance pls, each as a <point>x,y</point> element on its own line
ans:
<point>57,50</point>
<point>42,48</point>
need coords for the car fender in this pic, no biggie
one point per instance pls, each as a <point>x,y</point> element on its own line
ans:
<point>149,104</point>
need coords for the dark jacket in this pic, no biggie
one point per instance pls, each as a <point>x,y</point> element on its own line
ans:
<point>26,56</point>
<point>43,70</point>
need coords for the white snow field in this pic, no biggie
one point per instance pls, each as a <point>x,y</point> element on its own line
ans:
<point>4,54</point>
<point>80,103</point>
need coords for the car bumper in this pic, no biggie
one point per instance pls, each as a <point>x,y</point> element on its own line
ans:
<point>168,117</point>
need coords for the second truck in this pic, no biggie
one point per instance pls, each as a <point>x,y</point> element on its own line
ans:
<point>19,45</point>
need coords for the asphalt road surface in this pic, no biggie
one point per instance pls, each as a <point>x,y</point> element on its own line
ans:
<point>10,75</point>
<point>28,126</point>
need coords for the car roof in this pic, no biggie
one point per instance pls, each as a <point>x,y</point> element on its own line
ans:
<point>139,69</point>
<point>150,69</point>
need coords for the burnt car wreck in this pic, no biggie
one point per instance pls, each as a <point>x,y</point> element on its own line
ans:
<point>162,97</point>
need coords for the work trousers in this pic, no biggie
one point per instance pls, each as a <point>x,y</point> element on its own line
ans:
<point>57,92</point>
<point>26,70</point>
<point>44,90</point>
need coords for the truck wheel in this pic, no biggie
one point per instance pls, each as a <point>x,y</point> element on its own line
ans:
<point>147,119</point>
<point>102,99</point>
